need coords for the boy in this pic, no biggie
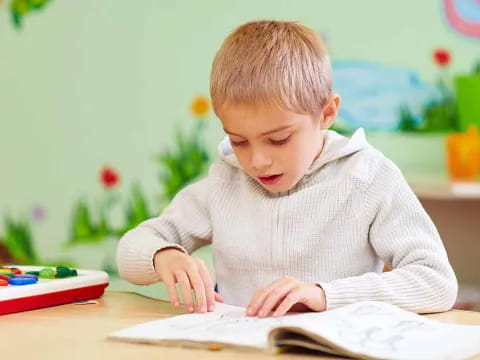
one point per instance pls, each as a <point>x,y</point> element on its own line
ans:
<point>300,218</point>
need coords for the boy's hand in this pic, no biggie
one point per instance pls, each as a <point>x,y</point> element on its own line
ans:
<point>286,294</point>
<point>174,266</point>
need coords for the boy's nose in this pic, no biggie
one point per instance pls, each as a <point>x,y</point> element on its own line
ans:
<point>260,161</point>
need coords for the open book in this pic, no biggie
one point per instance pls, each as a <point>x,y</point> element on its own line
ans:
<point>367,330</point>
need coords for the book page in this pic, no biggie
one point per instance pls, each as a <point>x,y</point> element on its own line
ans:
<point>227,324</point>
<point>384,331</point>
<point>368,329</point>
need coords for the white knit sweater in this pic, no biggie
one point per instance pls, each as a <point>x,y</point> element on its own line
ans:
<point>351,213</point>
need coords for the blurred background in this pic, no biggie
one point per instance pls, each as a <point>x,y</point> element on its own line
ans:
<point>105,114</point>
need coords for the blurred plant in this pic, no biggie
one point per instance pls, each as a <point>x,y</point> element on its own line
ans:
<point>110,180</point>
<point>136,210</point>
<point>185,163</point>
<point>442,115</point>
<point>190,158</point>
<point>20,8</point>
<point>84,227</point>
<point>407,122</point>
<point>438,115</point>
<point>18,241</point>
<point>17,246</point>
<point>179,167</point>
<point>5,256</point>
<point>476,68</point>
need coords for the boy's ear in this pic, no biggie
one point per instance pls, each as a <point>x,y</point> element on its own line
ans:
<point>330,111</point>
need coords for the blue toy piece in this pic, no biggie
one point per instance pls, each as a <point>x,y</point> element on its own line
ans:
<point>22,280</point>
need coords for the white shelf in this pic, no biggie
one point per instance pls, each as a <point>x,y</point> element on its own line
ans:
<point>454,191</point>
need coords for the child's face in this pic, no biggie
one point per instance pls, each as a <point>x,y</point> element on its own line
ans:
<point>274,146</point>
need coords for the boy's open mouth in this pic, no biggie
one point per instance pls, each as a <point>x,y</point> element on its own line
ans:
<point>269,180</point>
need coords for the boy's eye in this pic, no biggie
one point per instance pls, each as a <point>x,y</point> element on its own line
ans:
<point>281,141</point>
<point>238,143</point>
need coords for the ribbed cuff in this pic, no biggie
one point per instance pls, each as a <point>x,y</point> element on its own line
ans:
<point>136,252</point>
<point>335,297</point>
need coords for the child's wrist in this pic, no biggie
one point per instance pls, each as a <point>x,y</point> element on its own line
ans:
<point>162,252</point>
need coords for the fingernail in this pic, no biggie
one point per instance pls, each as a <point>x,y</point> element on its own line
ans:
<point>211,308</point>
<point>203,309</point>
<point>176,304</point>
<point>190,309</point>
<point>261,313</point>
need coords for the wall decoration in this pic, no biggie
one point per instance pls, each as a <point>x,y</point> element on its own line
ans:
<point>463,16</point>
<point>178,167</point>
<point>373,95</point>
<point>91,224</point>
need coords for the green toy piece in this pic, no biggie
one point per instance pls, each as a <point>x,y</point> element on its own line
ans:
<point>46,273</point>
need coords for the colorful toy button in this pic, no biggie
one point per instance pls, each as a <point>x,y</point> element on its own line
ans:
<point>26,276</point>
<point>15,276</point>
<point>59,273</point>
<point>17,280</point>
<point>62,272</point>
<point>46,273</point>
<point>5,277</point>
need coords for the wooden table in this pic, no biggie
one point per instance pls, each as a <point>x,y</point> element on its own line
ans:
<point>79,332</point>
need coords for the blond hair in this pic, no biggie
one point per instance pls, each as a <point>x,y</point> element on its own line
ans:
<point>275,63</point>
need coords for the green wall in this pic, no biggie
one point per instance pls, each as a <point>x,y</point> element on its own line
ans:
<point>87,83</point>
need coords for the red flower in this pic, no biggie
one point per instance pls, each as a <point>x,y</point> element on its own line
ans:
<point>109,177</point>
<point>442,57</point>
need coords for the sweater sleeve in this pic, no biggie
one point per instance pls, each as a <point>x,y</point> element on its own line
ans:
<point>184,224</point>
<point>405,238</point>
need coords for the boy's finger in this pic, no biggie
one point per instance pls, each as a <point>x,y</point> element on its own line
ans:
<point>199,289</point>
<point>260,296</point>
<point>287,303</point>
<point>184,283</point>
<point>218,297</point>
<point>169,282</point>
<point>274,298</point>
<point>207,281</point>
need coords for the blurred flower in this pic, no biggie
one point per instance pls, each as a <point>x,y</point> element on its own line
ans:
<point>200,106</point>
<point>38,213</point>
<point>442,57</point>
<point>109,177</point>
